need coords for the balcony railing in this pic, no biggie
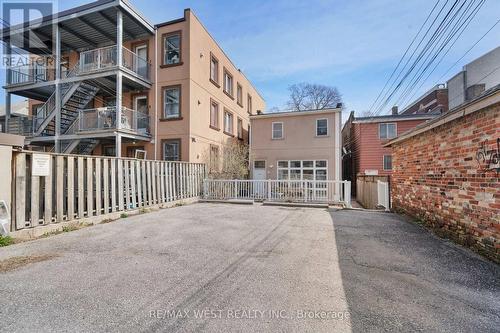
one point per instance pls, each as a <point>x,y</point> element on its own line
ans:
<point>90,61</point>
<point>106,57</point>
<point>100,119</point>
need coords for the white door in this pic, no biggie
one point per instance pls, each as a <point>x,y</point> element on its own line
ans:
<point>259,170</point>
<point>259,173</point>
<point>141,60</point>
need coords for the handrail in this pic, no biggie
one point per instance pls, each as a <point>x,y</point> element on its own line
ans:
<point>105,118</point>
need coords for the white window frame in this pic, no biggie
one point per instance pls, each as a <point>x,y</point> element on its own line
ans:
<point>387,137</point>
<point>282,130</point>
<point>226,122</point>
<point>383,162</point>
<point>327,128</point>
<point>301,168</point>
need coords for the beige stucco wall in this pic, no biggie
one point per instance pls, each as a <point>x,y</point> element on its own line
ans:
<point>300,141</point>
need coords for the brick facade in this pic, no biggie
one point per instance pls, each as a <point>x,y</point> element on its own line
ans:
<point>437,179</point>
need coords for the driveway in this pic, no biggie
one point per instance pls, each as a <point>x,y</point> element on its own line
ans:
<point>215,267</point>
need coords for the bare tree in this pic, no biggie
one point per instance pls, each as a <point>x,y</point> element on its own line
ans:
<point>309,96</point>
<point>231,162</point>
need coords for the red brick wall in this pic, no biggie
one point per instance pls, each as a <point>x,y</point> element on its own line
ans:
<point>437,179</point>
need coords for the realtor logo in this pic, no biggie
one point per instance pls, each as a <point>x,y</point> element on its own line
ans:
<point>20,23</point>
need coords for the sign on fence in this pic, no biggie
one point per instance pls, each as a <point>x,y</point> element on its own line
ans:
<point>40,165</point>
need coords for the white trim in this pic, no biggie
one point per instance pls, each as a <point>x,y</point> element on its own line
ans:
<point>388,123</point>
<point>295,113</point>
<point>327,128</point>
<point>282,130</point>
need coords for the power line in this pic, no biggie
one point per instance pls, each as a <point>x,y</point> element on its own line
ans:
<point>422,52</point>
<point>452,36</point>
<point>404,54</point>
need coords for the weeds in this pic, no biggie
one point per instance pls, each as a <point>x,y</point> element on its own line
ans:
<point>123,215</point>
<point>6,240</point>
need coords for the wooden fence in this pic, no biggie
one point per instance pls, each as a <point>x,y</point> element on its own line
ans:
<point>367,190</point>
<point>78,187</point>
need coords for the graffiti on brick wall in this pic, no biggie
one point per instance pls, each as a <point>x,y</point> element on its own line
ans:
<point>489,157</point>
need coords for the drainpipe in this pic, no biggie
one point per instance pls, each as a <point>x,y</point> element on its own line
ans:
<point>155,139</point>
<point>57,143</point>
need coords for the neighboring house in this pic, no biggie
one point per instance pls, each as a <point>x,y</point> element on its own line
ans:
<point>18,109</point>
<point>364,138</point>
<point>476,77</point>
<point>446,173</point>
<point>177,94</point>
<point>434,101</point>
<point>299,145</point>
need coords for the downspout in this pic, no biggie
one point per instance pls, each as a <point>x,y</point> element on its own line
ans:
<point>155,62</point>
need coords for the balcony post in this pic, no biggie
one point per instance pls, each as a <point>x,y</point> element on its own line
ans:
<point>57,55</point>
<point>8,99</point>
<point>119,59</point>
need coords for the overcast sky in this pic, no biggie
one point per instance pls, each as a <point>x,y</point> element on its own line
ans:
<point>353,45</point>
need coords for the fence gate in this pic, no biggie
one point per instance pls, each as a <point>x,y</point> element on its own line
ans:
<point>383,194</point>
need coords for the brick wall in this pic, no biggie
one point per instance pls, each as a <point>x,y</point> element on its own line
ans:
<point>437,179</point>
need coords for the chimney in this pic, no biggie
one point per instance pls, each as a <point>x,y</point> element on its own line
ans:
<point>339,106</point>
<point>395,110</point>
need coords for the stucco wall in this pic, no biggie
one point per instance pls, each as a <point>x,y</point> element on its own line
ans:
<point>299,143</point>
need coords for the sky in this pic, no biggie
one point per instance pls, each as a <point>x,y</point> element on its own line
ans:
<point>352,45</point>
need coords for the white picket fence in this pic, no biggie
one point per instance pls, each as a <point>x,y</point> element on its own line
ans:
<point>302,191</point>
<point>79,186</point>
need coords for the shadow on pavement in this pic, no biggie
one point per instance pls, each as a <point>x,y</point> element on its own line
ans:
<point>398,276</point>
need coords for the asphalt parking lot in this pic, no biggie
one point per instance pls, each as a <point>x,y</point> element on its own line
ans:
<point>217,267</point>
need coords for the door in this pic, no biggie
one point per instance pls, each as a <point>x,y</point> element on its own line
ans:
<point>141,61</point>
<point>259,177</point>
<point>141,107</point>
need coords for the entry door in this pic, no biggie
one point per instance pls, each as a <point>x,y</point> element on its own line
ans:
<point>259,173</point>
<point>259,170</point>
<point>141,106</point>
<point>142,59</point>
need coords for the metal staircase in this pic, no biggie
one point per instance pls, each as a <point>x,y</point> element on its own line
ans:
<point>80,146</point>
<point>74,96</point>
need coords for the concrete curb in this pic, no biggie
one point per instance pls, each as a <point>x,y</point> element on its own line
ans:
<point>291,204</point>
<point>234,202</point>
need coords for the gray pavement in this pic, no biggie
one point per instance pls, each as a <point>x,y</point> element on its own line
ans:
<point>216,268</point>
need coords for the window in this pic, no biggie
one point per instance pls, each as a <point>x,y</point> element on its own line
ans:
<point>249,104</point>
<point>214,70</point>
<point>239,94</point>
<point>172,150</point>
<point>214,115</point>
<point>109,150</point>
<point>302,170</point>
<point>228,83</point>
<point>387,162</point>
<point>172,48</point>
<point>387,131</point>
<point>277,130</point>
<point>171,100</point>
<point>321,127</point>
<point>259,164</point>
<point>228,122</point>
<point>240,128</point>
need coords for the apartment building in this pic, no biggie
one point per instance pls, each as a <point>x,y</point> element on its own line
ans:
<point>299,145</point>
<point>175,92</point>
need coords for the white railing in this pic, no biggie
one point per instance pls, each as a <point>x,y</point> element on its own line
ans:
<point>312,191</point>
<point>106,57</point>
